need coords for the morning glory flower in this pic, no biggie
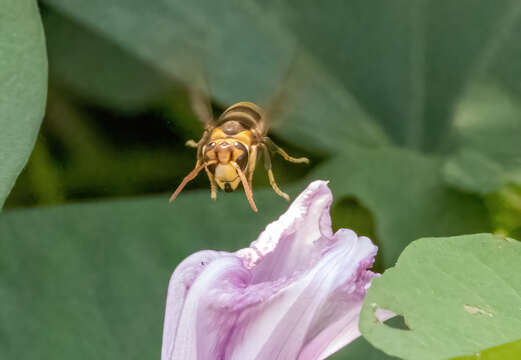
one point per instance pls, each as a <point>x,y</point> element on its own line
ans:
<point>295,293</point>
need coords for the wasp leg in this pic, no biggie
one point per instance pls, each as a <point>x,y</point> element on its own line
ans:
<point>191,175</point>
<point>198,144</point>
<point>284,154</point>
<point>252,163</point>
<point>191,143</point>
<point>267,165</point>
<point>213,185</point>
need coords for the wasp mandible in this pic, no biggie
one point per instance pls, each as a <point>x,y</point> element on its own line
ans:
<point>230,146</point>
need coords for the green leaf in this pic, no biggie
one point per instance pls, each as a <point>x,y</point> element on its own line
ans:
<point>89,281</point>
<point>462,39</point>
<point>510,351</point>
<point>488,127</point>
<point>498,61</point>
<point>407,195</point>
<point>23,87</point>
<point>486,120</point>
<point>360,349</point>
<point>99,70</point>
<point>407,62</point>
<point>458,295</point>
<point>375,51</point>
<point>471,170</point>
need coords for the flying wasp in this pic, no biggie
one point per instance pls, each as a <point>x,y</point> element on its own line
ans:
<point>230,146</point>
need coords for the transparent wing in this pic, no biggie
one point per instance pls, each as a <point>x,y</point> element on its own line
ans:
<point>200,103</point>
<point>281,101</point>
<point>196,79</point>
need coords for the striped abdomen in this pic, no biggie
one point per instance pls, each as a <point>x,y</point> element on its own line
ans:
<point>242,116</point>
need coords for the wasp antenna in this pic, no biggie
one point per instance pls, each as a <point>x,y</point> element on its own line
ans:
<point>247,189</point>
<point>190,177</point>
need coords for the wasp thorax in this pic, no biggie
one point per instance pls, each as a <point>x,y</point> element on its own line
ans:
<point>232,127</point>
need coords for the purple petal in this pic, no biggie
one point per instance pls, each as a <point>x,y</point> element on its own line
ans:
<point>180,283</point>
<point>206,294</point>
<point>296,292</point>
<point>295,241</point>
<point>315,313</point>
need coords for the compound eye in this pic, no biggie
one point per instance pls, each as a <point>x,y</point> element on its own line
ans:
<point>209,147</point>
<point>209,151</point>
<point>242,159</point>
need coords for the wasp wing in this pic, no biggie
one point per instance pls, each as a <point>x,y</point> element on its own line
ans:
<point>201,106</point>
<point>196,77</point>
<point>282,99</point>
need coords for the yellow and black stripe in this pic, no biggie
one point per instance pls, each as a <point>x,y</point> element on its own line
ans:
<point>249,115</point>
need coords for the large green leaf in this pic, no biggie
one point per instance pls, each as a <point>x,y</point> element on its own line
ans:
<point>360,349</point>
<point>99,70</point>
<point>487,159</point>
<point>23,86</point>
<point>89,281</point>
<point>407,195</point>
<point>462,39</point>
<point>406,61</point>
<point>488,125</point>
<point>458,296</point>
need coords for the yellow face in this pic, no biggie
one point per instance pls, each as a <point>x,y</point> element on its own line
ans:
<point>226,151</point>
<point>226,177</point>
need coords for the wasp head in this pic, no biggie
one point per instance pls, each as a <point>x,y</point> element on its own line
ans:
<point>226,152</point>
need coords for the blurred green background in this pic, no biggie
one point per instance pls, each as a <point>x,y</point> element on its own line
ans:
<point>412,110</point>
